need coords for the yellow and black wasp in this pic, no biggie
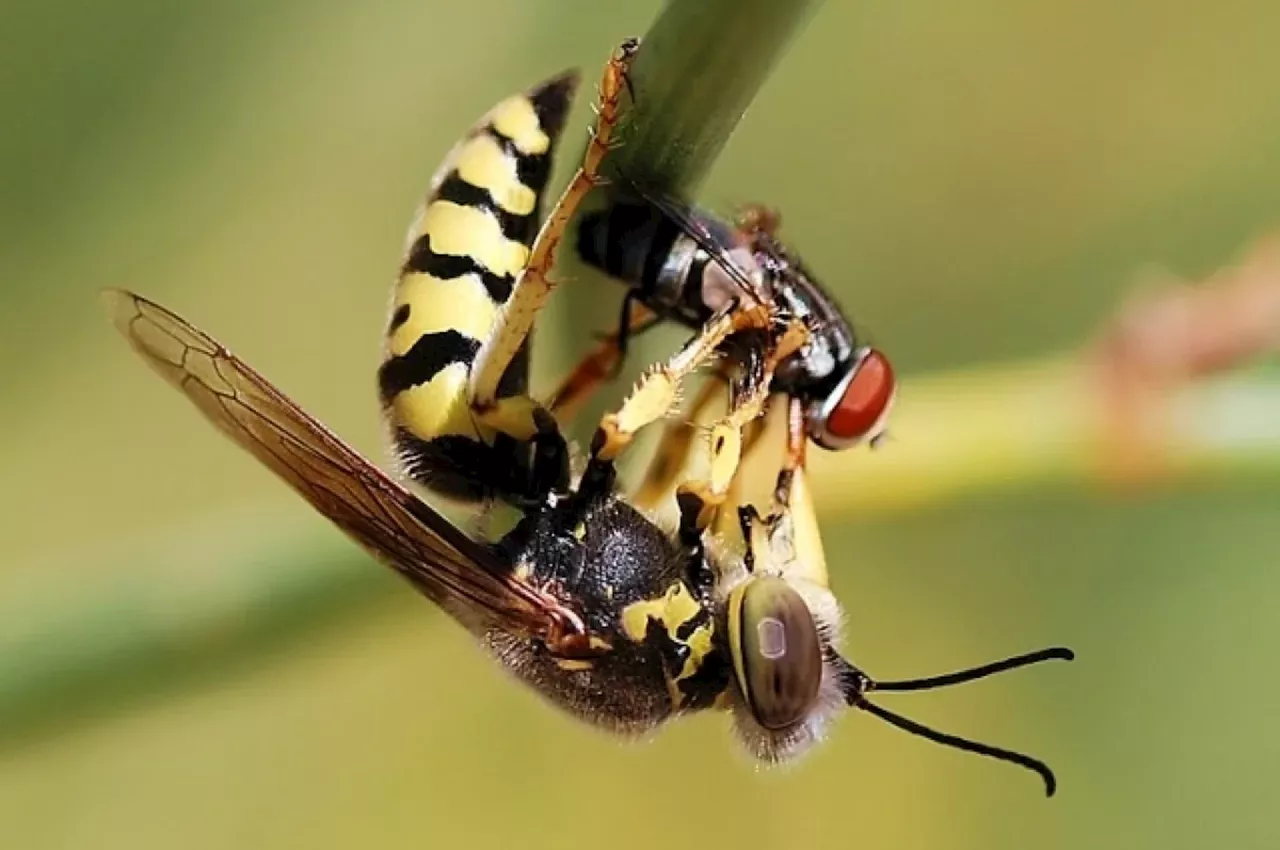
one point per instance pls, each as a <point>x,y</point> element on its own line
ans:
<point>616,620</point>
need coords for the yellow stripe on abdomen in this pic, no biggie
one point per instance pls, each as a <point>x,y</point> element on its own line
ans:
<point>516,118</point>
<point>484,164</point>
<point>432,305</point>
<point>438,407</point>
<point>473,233</point>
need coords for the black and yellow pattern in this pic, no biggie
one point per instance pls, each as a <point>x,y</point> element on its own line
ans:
<point>465,250</point>
<point>594,606</point>
<point>613,618</point>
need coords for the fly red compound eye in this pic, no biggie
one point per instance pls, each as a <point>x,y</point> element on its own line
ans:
<point>863,403</point>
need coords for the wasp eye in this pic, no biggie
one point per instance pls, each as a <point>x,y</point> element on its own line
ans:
<point>864,403</point>
<point>777,654</point>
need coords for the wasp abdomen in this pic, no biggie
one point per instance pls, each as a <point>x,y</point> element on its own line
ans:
<point>467,245</point>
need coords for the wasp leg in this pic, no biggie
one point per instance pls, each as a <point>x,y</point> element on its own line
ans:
<point>754,530</point>
<point>514,322</point>
<point>700,500</point>
<point>789,537</point>
<point>599,365</point>
<point>657,392</point>
<point>670,463</point>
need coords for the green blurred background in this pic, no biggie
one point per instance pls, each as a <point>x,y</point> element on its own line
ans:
<point>979,181</point>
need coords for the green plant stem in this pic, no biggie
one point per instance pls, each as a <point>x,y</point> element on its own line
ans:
<point>177,608</point>
<point>697,71</point>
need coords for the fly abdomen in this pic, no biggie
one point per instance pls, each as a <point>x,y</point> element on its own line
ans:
<point>630,242</point>
<point>467,245</point>
<point>639,245</point>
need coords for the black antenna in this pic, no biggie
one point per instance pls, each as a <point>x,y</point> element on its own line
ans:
<point>907,725</point>
<point>858,684</point>
<point>1060,653</point>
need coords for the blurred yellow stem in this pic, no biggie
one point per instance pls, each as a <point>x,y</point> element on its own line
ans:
<point>1007,426</point>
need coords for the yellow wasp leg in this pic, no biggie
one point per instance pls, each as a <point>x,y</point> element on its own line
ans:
<point>516,318</point>
<point>789,537</point>
<point>671,461</point>
<point>700,500</point>
<point>658,390</point>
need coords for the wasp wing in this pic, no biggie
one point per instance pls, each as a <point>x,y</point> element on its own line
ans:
<point>468,579</point>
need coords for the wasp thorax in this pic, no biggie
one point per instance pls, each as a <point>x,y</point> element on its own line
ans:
<point>857,410</point>
<point>777,653</point>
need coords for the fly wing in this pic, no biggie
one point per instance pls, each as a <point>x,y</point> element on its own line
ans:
<point>682,215</point>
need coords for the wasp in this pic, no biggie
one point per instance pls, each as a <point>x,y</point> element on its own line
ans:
<point>588,601</point>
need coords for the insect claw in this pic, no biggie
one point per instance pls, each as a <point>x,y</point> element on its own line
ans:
<point>625,53</point>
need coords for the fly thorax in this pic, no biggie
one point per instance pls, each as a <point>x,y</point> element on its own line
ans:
<point>717,289</point>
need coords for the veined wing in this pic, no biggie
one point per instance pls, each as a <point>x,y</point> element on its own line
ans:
<point>466,578</point>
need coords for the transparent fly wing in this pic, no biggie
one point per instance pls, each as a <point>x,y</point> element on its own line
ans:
<point>683,217</point>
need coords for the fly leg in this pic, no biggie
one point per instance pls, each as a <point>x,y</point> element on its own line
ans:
<point>793,458</point>
<point>600,364</point>
<point>793,507</point>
